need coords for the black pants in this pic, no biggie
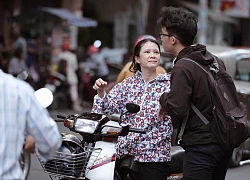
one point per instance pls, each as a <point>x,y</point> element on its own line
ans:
<point>206,162</point>
<point>147,171</point>
<point>154,170</point>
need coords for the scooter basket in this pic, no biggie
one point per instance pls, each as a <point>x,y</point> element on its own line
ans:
<point>68,165</point>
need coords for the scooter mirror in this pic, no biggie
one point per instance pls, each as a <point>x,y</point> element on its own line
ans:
<point>132,108</point>
<point>44,96</point>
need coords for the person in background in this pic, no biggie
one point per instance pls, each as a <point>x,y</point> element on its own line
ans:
<point>17,63</point>
<point>71,66</point>
<point>150,150</point>
<point>127,69</point>
<point>19,42</point>
<point>204,158</point>
<point>32,50</point>
<point>97,62</point>
<point>5,57</point>
<point>32,59</point>
<point>22,115</point>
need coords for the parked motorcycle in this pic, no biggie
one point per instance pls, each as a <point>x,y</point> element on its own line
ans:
<point>92,155</point>
<point>24,162</point>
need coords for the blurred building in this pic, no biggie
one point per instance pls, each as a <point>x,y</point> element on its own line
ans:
<point>120,22</point>
<point>228,21</point>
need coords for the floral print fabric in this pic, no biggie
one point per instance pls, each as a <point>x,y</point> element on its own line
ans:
<point>154,146</point>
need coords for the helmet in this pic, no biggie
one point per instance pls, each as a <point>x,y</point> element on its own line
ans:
<point>92,49</point>
<point>143,37</point>
<point>69,159</point>
<point>73,140</point>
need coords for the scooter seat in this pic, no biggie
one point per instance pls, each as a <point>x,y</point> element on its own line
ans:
<point>176,164</point>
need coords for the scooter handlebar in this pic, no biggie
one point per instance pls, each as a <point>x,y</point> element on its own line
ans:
<point>136,130</point>
<point>59,120</point>
<point>61,116</point>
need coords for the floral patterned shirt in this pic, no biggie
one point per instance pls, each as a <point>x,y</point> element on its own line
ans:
<point>154,146</point>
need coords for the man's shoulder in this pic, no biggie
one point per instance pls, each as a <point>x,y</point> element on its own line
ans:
<point>12,82</point>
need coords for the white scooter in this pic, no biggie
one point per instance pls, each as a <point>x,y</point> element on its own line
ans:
<point>93,155</point>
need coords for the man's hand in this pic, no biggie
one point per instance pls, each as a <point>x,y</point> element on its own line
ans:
<point>29,144</point>
<point>161,113</point>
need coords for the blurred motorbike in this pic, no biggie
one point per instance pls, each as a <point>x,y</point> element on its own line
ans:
<point>57,84</point>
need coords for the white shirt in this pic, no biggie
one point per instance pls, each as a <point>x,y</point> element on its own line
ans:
<point>21,114</point>
<point>72,66</point>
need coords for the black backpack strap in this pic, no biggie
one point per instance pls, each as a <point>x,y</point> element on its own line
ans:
<point>187,59</point>
<point>197,111</point>
<point>199,114</point>
<point>183,126</point>
<point>184,122</point>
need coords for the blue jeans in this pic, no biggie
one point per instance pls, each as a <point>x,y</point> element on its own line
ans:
<point>205,162</point>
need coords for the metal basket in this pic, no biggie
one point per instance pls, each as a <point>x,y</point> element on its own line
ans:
<point>75,166</point>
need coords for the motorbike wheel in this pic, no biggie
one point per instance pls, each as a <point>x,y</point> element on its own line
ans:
<point>236,157</point>
<point>117,176</point>
<point>25,161</point>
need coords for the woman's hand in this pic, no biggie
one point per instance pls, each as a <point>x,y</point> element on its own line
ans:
<point>99,86</point>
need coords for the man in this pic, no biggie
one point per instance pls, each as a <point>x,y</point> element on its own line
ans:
<point>19,42</point>
<point>71,66</point>
<point>22,115</point>
<point>204,158</point>
<point>97,61</point>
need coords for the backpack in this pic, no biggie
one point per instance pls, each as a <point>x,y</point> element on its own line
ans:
<point>229,124</point>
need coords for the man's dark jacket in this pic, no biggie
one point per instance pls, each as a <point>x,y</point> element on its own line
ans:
<point>189,84</point>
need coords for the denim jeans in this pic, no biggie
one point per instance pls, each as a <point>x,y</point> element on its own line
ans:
<point>205,162</point>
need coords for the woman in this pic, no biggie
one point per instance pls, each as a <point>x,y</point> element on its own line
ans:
<point>125,72</point>
<point>151,150</point>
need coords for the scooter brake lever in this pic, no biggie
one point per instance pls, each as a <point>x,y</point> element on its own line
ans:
<point>124,131</point>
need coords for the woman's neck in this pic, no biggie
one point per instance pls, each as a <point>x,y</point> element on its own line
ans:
<point>148,75</point>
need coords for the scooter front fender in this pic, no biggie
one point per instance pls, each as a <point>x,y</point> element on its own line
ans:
<point>104,165</point>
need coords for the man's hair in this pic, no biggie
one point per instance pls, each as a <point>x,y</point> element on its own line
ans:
<point>180,22</point>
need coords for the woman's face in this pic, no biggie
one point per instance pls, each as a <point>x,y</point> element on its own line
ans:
<point>149,56</point>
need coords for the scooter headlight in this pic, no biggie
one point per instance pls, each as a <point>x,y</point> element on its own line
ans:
<point>86,125</point>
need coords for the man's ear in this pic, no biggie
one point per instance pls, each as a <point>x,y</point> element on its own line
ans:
<point>174,40</point>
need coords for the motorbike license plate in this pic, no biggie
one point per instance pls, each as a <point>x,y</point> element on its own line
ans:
<point>51,87</point>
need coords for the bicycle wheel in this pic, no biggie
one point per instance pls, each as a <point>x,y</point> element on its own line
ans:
<point>25,161</point>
